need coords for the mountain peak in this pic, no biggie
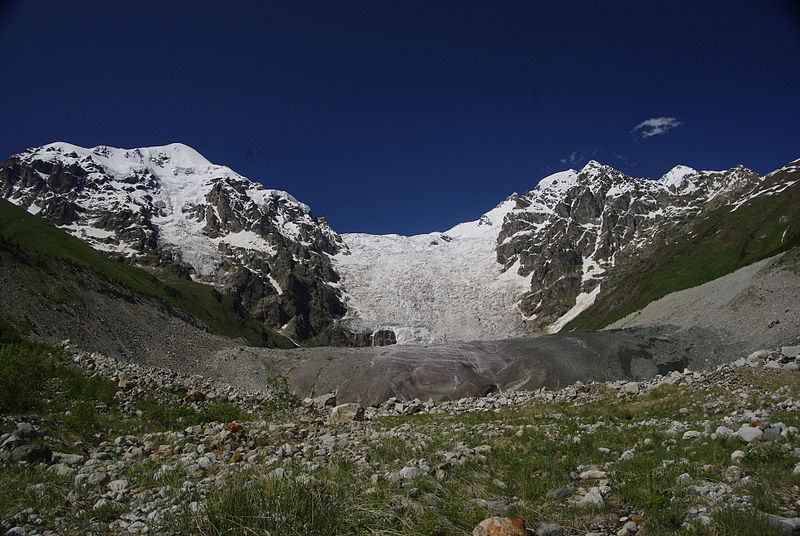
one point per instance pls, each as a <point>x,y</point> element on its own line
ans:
<point>678,177</point>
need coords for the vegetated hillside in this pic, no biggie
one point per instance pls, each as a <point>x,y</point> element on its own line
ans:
<point>135,449</point>
<point>755,305</point>
<point>730,237</point>
<point>55,269</point>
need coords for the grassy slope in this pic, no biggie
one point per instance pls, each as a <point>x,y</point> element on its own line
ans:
<point>721,244</point>
<point>218,311</point>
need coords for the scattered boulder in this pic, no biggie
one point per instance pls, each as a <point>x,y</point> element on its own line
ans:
<point>346,413</point>
<point>749,433</point>
<point>117,485</point>
<point>630,388</point>
<point>592,499</point>
<point>32,454</point>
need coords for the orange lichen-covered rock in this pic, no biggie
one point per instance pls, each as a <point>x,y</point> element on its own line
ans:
<point>501,526</point>
<point>235,428</point>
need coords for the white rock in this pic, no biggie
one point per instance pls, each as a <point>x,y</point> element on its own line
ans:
<point>592,474</point>
<point>118,485</point>
<point>737,456</point>
<point>593,498</point>
<point>691,434</point>
<point>749,433</point>
<point>724,431</point>
<point>410,473</point>
<point>631,388</point>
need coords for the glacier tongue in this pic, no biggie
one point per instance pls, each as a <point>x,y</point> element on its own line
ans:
<point>435,287</point>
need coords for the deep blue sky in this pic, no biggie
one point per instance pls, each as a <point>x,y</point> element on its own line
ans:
<point>406,116</point>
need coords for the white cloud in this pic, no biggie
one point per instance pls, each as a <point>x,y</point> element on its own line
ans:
<point>656,126</point>
<point>575,158</point>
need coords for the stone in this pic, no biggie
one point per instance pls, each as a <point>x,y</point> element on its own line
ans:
<point>592,474</point>
<point>25,429</point>
<point>410,473</point>
<point>276,474</point>
<point>11,442</point>
<point>384,337</point>
<point>138,527</point>
<point>790,351</point>
<point>498,508</point>
<point>737,456</point>
<point>346,413</point>
<point>631,388</point>
<point>592,499</point>
<point>749,433</point>
<point>501,526</point>
<point>117,485</point>
<point>234,427</point>
<point>724,431</point>
<point>97,479</point>
<point>562,493</point>
<point>549,529</point>
<point>788,525</point>
<point>194,396</point>
<point>32,454</point>
<point>772,433</point>
<point>67,459</point>
<point>691,434</point>
<point>628,529</point>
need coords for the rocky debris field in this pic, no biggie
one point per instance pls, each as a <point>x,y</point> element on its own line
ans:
<point>692,452</point>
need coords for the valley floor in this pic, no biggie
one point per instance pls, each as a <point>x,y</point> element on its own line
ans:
<point>146,450</point>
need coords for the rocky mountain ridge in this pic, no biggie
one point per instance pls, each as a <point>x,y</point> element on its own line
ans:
<point>533,264</point>
<point>577,226</point>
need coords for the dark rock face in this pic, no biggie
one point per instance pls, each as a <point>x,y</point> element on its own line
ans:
<point>383,337</point>
<point>574,230</point>
<point>170,209</point>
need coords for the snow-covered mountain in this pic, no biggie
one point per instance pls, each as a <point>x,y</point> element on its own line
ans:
<point>530,265</point>
<point>537,260</point>
<point>170,208</point>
